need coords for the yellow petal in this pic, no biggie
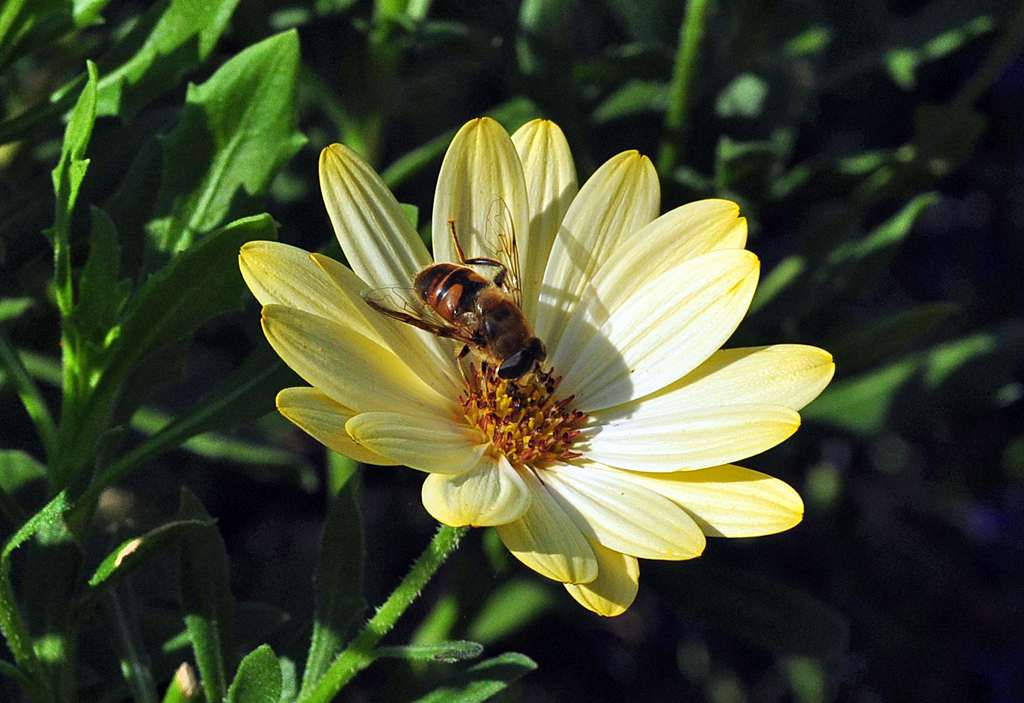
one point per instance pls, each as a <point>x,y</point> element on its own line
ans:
<point>491,494</point>
<point>481,187</point>
<point>791,375</point>
<point>672,239</point>
<point>430,357</point>
<point>286,275</point>
<point>612,509</point>
<point>551,187</point>
<point>324,420</point>
<point>683,439</point>
<point>378,240</point>
<point>548,541</point>
<point>431,443</point>
<point>615,587</point>
<point>620,198</point>
<point>663,331</point>
<point>353,370</point>
<point>731,501</point>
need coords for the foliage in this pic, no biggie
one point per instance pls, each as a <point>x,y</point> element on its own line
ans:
<point>874,149</point>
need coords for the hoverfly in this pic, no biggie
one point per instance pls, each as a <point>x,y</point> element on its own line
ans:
<point>456,302</point>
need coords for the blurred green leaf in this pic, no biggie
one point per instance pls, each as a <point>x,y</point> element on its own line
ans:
<point>28,25</point>
<point>444,652</point>
<point>256,622</point>
<point>171,39</point>
<point>902,62</point>
<point>258,679</point>
<point>482,681</point>
<point>890,335</point>
<point>13,308</point>
<point>973,367</point>
<point>237,130</point>
<point>337,582</point>
<point>18,469</point>
<point>782,620</point>
<point>779,279</point>
<point>101,293</point>
<point>809,42</point>
<point>743,97</point>
<point>509,609</point>
<point>206,599</point>
<point>634,97</point>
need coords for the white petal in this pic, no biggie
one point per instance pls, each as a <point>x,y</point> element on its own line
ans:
<point>548,541</point>
<point>730,501</point>
<point>672,239</point>
<point>612,510</point>
<point>791,375</point>
<point>551,187</point>
<point>664,330</point>
<point>481,187</point>
<point>378,240</point>
<point>432,359</point>
<point>686,439</point>
<point>348,367</point>
<point>620,198</point>
<point>324,420</point>
<point>434,443</point>
<point>491,494</point>
<point>615,587</point>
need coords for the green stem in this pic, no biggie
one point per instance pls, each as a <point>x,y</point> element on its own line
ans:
<point>359,654</point>
<point>691,34</point>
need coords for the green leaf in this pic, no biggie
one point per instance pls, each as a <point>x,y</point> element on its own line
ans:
<point>633,97</point>
<point>444,652</point>
<point>743,97</point>
<point>782,620</point>
<point>509,609</point>
<point>67,179</point>
<point>171,39</point>
<point>337,582</point>
<point>132,554</point>
<point>482,681</point>
<point>969,370</point>
<point>101,295</point>
<point>258,679</point>
<point>184,688</point>
<point>26,25</point>
<point>13,308</point>
<point>890,335</point>
<point>237,130</point>
<point>206,598</point>
<point>18,469</point>
<point>198,284</point>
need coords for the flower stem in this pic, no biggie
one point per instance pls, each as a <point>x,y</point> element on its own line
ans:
<point>359,654</point>
<point>691,33</point>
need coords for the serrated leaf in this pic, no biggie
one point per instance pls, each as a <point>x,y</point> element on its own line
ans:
<point>258,679</point>
<point>198,284</point>
<point>209,608</point>
<point>237,130</point>
<point>482,681</point>
<point>337,582</point>
<point>171,39</point>
<point>782,620</point>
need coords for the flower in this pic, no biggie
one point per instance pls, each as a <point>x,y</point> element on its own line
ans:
<point>620,446</point>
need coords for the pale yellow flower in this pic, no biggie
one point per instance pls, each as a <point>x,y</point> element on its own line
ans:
<point>629,456</point>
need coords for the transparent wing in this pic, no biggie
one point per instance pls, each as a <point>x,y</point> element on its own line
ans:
<point>501,234</point>
<point>404,305</point>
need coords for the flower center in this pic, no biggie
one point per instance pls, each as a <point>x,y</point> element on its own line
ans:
<point>523,418</point>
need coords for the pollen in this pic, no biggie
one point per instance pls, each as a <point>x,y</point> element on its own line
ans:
<point>524,418</point>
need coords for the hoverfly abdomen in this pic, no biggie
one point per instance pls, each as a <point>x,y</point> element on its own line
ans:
<point>450,290</point>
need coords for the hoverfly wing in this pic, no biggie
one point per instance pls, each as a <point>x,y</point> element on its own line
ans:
<point>404,305</point>
<point>501,235</point>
